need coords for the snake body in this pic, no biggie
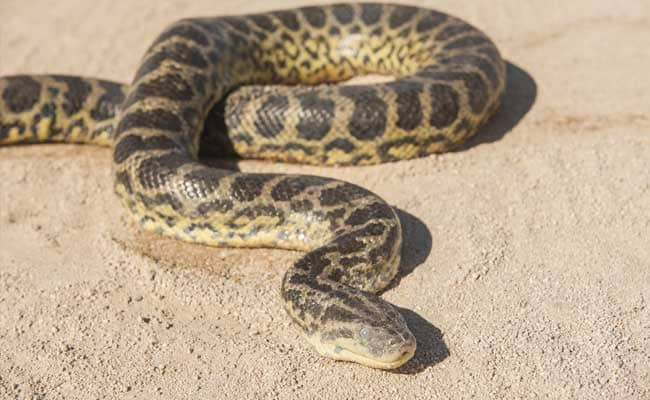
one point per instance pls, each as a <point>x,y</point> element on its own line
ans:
<point>271,75</point>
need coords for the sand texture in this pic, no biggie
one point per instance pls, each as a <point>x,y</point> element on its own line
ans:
<point>526,269</point>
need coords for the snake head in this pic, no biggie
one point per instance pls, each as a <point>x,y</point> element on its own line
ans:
<point>366,330</point>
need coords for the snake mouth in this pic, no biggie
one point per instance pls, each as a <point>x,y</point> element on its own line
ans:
<point>392,361</point>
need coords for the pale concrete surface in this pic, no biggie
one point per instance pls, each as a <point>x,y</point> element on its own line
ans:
<point>527,270</point>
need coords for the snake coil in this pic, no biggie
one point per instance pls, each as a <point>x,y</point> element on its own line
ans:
<point>449,81</point>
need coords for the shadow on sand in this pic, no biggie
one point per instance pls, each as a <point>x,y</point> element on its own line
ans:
<point>431,346</point>
<point>416,247</point>
<point>519,96</point>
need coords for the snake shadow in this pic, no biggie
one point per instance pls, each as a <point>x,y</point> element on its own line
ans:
<point>416,243</point>
<point>431,347</point>
<point>416,247</point>
<point>518,98</point>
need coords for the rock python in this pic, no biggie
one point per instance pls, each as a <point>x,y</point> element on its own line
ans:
<point>271,75</point>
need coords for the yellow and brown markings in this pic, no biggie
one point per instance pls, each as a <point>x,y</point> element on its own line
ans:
<point>449,80</point>
<point>57,108</point>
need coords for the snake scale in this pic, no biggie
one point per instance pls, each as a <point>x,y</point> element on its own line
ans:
<point>272,77</point>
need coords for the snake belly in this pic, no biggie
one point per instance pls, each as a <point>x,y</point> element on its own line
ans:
<point>273,73</point>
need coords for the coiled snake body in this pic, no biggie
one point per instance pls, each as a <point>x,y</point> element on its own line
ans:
<point>449,80</point>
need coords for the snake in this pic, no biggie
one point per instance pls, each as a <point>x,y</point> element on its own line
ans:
<point>271,86</point>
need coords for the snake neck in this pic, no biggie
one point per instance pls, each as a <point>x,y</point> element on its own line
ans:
<point>363,256</point>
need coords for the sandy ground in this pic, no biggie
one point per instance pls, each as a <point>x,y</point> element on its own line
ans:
<point>527,256</point>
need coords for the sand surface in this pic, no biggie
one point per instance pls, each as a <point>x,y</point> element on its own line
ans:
<point>527,255</point>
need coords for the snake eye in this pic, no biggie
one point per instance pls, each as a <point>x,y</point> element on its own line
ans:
<point>364,332</point>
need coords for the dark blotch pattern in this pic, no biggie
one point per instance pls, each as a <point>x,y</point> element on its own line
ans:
<point>154,173</point>
<point>484,65</point>
<point>348,262</point>
<point>48,111</point>
<point>478,91</point>
<point>400,16</point>
<point>301,206</point>
<point>288,19</point>
<point>6,128</point>
<point>452,31</point>
<point>374,211</point>
<point>21,93</point>
<point>341,144</point>
<point>444,105</point>
<point>368,119</point>
<point>343,194</point>
<point>298,146</point>
<point>316,116</point>
<point>219,206</point>
<point>491,53</point>
<point>171,86</point>
<point>185,30</point>
<point>290,146</point>
<point>290,187</point>
<point>337,313</point>
<point>271,116</point>
<point>384,252</point>
<point>409,107</point>
<point>256,211</point>
<point>176,51</point>
<point>109,102</point>
<point>378,31</point>
<point>476,88</point>
<point>238,23</point>
<point>314,262</point>
<point>430,21</point>
<point>335,217</point>
<point>311,306</point>
<point>385,148</point>
<point>75,95</point>
<point>344,13</point>
<point>370,13</point>
<point>202,182</point>
<point>184,54</point>
<point>173,202</point>
<point>77,124</point>
<point>263,21</point>
<point>123,178</point>
<point>159,119</point>
<point>152,63</point>
<point>292,296</point>
<point>315,16</point>
<point>249,187</point>
<point>467,41</point>
<point>130,144</point>
<point>437,138</point>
